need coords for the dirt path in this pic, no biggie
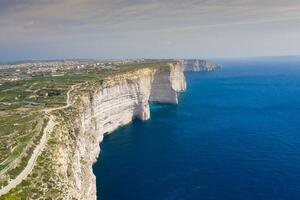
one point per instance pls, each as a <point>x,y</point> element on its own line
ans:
<point>37,151</point>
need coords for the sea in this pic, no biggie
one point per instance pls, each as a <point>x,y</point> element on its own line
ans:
<point>235,135</point>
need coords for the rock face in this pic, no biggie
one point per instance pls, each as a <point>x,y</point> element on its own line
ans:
<point>199,65</point>
<point>119,100</point>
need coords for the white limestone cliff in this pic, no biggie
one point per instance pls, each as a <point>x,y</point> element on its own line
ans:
<point>196,65</point>
<point>116,103</point>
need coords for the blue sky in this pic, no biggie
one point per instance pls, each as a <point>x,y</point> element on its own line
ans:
<point>48,29</point>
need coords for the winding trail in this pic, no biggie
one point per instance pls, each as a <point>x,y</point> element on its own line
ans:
<point>37,151</point>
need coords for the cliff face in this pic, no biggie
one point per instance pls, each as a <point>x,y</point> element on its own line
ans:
<point>119,100</point>
<point>199,65</point>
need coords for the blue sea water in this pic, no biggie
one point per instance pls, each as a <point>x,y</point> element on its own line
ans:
<point>234,135</point>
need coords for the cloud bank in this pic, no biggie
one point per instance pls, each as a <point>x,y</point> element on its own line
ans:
<point>148,28</point>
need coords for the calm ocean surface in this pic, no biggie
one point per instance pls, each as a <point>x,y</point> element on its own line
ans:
<point>234,135</point>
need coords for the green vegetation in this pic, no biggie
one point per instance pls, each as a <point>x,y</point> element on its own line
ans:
<point>22,120</point>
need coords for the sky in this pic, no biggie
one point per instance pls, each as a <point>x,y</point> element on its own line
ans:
<point>50,29</point>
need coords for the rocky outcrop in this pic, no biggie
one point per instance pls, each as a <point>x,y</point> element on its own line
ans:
<point>119,100</point>
<point>199,65</point>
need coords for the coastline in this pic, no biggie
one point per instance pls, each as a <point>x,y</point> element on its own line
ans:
<point>96,108</point>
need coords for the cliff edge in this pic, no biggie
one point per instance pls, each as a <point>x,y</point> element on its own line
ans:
<point>95,108</point>
<point>120,99</point>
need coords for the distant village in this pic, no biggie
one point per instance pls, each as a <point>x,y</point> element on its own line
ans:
<point>29,69</point>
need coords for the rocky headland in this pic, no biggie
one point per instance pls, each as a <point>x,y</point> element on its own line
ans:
<point>196,65</point>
